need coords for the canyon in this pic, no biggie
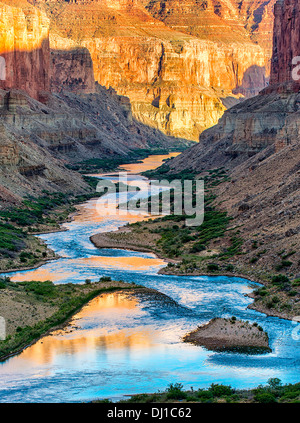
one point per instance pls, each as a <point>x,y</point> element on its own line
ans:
<point>181,63</point>
<point>162,70</point>
<point>257,143</point>
<point>52,112</point>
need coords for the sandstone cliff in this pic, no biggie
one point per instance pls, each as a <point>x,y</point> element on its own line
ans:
<point>271,119</point>
<point>177,61</point>
<point>258,142</point>
<point>24,41</point>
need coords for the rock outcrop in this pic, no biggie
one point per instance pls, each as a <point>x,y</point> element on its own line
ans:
<point>271,119</point>
<point>230,334</point>
<point>71,67</point>
<point>178,69</point>
<point>70,128</point>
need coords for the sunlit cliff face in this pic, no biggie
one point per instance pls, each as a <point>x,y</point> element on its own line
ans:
<point>24,44</point>
<point>177,68</point>
<point>120,4</point>
<point>175,77</point>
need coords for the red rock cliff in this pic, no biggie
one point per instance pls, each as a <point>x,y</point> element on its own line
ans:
<point>286,42</point>
<point>24,45</point>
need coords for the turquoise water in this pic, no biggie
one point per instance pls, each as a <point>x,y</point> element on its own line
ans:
<point>122,344</point>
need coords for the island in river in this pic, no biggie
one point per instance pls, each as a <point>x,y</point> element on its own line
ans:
<point>230,335</point>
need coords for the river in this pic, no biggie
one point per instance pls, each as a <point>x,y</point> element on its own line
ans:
<point>122,344</point>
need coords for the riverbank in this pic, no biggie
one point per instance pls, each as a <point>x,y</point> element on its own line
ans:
<point>35,309</point>
<point>219,247</point>
<point>20,249</point>
<point>273,392</point>
<point>149,235</point>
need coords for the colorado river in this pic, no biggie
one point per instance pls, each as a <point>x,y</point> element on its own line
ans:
<point>120,344</point>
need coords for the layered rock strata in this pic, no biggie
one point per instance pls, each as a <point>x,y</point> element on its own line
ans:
<point>178,69</point>
<point>24,48</point>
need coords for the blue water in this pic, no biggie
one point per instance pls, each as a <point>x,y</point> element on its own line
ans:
<point>124,345</point>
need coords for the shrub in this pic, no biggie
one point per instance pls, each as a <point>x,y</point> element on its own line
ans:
<point>174,391</point>
<point>220,390</point>
<point>212,267</point>
<point>197,248</point>
<point>105,279</point>
<point>205,395</point>
<point>265,397</point>
<point>296,282</point>
<point>229,268</point>
<point>283,264</point>
<point>2,285</point>
<point>274,383</point>
<point>280,279</point>
<point>254,260</point>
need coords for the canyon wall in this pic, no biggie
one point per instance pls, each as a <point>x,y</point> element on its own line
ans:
<point>24,45</point>
<point>286,43</point>
<point>51,110</point>
<point>71,67</point>
<point>177,61</point>
<point>268,122</point>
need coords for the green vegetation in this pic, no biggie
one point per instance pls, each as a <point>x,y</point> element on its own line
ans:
<point>273,392</point>
<point>201,249</point>
<point>175,392</point>
<point>112,164</point>
<point>11,239</point>
<point>35,210</point>
<point>174,238</point>
<point>18,247</point>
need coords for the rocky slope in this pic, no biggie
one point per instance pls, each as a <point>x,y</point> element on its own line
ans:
<point>176,60</point>
<point>70,128</point>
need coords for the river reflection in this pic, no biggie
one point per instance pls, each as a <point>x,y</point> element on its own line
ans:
<point>95,328</point>
<point>120,344</point>
<point>148,164</point>
<point>105,263</point>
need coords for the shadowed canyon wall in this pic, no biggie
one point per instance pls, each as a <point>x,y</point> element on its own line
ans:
<point>286,42</point>
<point>258,142</point>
